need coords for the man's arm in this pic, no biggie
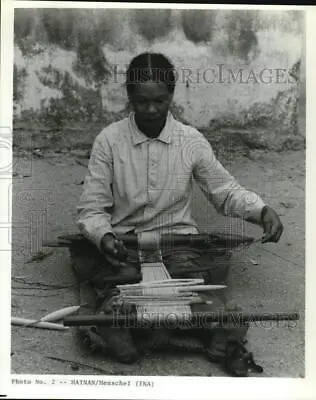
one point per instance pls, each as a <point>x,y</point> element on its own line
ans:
<point>96,201</point>
<point>229,197</point>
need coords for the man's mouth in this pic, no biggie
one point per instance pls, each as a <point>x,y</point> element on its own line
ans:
<point>152,119</point>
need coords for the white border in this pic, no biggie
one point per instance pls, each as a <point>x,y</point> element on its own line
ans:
<point>77,4</point>
<point>166,387</point>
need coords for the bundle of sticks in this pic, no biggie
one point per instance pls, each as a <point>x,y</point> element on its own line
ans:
<point>158,295</point>
<point>165,297</point>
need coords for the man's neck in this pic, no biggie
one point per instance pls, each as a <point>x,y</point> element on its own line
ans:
<point>153,132</point>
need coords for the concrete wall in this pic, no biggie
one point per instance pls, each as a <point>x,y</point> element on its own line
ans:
<point>235,69</point>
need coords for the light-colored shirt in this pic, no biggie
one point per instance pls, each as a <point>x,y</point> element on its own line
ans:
<point>139,184</point>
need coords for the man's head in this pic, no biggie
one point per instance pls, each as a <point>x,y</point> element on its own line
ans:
<point>150,84</point>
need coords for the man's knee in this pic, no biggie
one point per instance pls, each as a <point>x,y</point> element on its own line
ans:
<point>191,260</point>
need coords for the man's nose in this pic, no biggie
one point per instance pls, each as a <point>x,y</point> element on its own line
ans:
<point>151,108</point>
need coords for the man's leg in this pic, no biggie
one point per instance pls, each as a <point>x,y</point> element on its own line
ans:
<point>192,259</point>
<point>218,337</point>
<point>90,266</point>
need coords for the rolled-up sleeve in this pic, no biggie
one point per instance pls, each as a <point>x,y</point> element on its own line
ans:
<point>96,201</point>
<point>221,189</point>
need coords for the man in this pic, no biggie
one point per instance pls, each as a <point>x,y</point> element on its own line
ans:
<point>140,178</point>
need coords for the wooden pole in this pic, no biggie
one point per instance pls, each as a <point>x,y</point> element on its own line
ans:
<point>196,320</point>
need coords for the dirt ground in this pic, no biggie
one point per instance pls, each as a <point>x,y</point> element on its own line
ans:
<point>264,278</point>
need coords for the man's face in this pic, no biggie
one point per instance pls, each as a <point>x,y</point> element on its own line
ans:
<point>151,101</point>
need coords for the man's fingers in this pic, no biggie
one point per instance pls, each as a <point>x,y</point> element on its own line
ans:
<point>273,234</point>
<point>113,261</point>
<point>111,249</point>
<point>122,252</point>
<point>267,232</point>
<point>279,233</point>
<point>266,238</point>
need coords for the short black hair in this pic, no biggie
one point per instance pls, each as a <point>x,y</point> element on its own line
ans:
<point>150,66</point>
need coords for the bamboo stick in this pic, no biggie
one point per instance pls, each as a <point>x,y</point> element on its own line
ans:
<point>151,299</point>
<point>160,293</point>
<point>59,314</point>
<point>170,304</point>
<point>201,288</point>
<point>188,290</point>
<point>162,283</point>
<point>35,324</point>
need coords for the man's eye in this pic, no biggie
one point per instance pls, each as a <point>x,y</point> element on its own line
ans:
<point>141,101</point>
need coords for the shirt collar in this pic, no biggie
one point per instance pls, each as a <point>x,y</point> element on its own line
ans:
<point>138,137</point>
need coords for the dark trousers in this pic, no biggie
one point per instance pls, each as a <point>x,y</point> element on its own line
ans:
<point>90,265</point>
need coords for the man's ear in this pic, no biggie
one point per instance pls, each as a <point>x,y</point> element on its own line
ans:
<point>128,106</point>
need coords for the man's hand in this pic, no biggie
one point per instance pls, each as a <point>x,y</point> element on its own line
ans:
<point>114,250</point>
<point>272,226</point>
